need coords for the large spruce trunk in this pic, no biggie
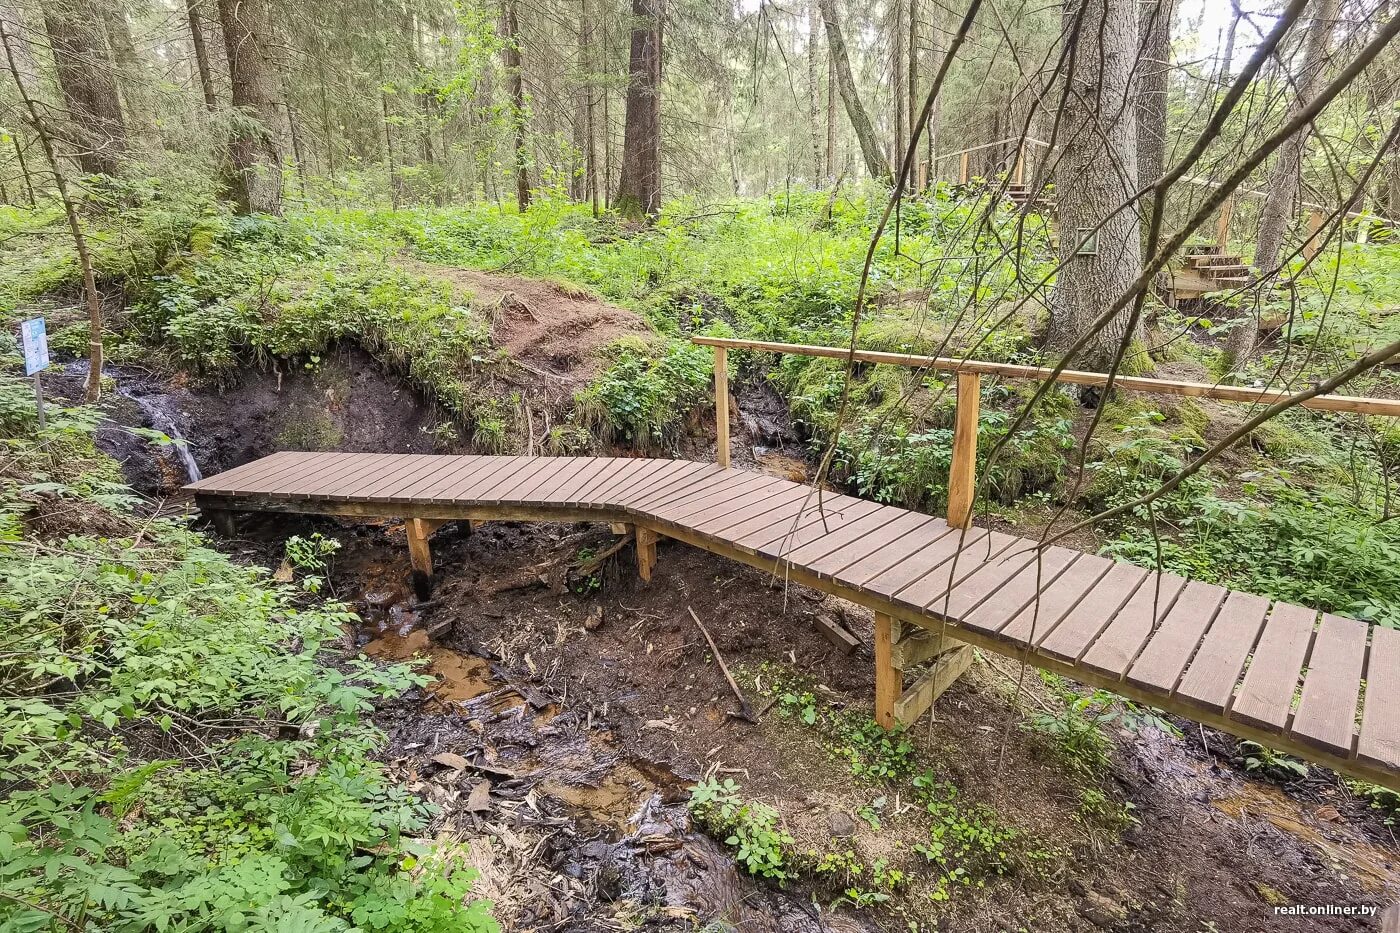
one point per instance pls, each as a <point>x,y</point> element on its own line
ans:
<point>639,188</point>
<point>1155,26</point>
<point>87,79</point>
<point>1096,172</point>
<point>256,182</point>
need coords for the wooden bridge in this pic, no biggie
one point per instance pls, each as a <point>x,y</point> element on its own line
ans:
<point>1325,688</point>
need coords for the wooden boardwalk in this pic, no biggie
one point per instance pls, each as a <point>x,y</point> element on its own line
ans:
<point>1317,685</point>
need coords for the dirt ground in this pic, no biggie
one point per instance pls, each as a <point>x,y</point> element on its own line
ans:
<point>564,728</point>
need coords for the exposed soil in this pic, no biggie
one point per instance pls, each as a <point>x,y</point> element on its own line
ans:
<point>563,730</point>
<point>552,330</point>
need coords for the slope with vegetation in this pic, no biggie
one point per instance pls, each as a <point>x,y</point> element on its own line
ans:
<point>184,745</point>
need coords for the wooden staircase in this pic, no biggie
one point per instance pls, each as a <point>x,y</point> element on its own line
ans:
<point>1225,271</point>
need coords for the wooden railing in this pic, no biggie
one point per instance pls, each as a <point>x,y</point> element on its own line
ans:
<point>962,477</point>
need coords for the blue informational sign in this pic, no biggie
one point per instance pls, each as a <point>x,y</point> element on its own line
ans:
<point>36,346</point>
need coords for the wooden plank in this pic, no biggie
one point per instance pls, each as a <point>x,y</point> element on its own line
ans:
<point>842,640</point>
<point>523,491</point>
<point>962,473</point>
<point>346,483</point>
<point>917,645</point>
<point>500,490</point>
<point>613,469</point>
<point>557,487</point>
<point>950,561</point>
<point>1113,652</point>
<point>1326,714</point>
<point>813,524</point>
<point>402,491</point>
<point>289,472</point>
<point>577,495</point>
<point>1077,584</point>
<point>888,680</point>
<point>1366,406</point>
<point>1211,678</point>
<point>307,475</point>
<point>387,473</point>
<point>732,498</point>
<point>390,488</point>
<point>461,485</point>
<point>1380,723</point>
<point>998,589</point>
<point>1161,662</point>
<point>698,489</point>
<point>458,467</point>
<point>780,507</point>
<point>1072,637</point>
<point>812,546</point>
<point>882,541</point>
<point>674,476</point>
<point>891,567</point>
<point>1270,685</point>
<point>230,481</point>
<point>932,684</point>
<point>613,489</point>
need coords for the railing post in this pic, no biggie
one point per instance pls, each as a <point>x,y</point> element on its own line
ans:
<point>722,407</point>
<point>1314,243</point>
<point>962,170</point>
<point>1020,173</point>
<point>1222,226</point>
<point>962,475</point>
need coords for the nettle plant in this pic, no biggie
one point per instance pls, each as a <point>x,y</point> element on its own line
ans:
<point>174,754</point>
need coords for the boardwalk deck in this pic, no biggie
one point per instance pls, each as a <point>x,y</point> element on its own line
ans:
<point>1327,688</point>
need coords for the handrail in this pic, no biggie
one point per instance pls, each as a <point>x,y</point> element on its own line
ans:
<point>1384,407</point>
<point>962,479</point>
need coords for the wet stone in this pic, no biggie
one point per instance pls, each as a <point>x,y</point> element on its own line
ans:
<point>841,825</point>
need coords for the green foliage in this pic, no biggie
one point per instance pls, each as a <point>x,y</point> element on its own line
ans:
<point>1380,798</point>
<point>1262,760</point>
<point>750,828</point>
<point>310,553</point>
<point>967,844</point>
<point>148,677</point>
<point>642,398</point>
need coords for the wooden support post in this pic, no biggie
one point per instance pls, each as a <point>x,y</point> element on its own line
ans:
<point>962,475</point>
<point>722,406</point>
<point>962,170</point>
<point>1314,241</point>
<point>420,554</point>
<point>1019,175</point>
<point>888,680</point>
<point>646,552</point>
<point>223,521</point>
<point>1222,226</point>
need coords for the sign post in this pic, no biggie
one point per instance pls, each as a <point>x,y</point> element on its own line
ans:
<point>36,358</point>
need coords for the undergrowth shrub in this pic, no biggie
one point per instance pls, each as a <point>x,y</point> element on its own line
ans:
<point>175,752</point>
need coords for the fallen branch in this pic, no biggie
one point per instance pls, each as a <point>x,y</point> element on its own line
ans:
<point>744,712</point>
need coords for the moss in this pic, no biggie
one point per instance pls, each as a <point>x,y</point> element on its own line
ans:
<point>310,429</point>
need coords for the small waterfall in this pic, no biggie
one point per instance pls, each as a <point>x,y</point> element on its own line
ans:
<point>163,421</point>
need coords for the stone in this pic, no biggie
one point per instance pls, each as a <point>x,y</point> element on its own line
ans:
<point>1101,911</point>
<point>841,825</point>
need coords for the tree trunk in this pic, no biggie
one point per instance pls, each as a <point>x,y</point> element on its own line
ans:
<point>830,118</point>
<point>590,162</point>
<point>201,54</point>
<point>1095,174</point>
<point>860,120</point>
<point>578,174</point>
<point>814,88</point>
<point>1284,180</point>
<point>899,76</point>
<point>17,51</point>
<point>915,103</point>
<point>514,74</point>
<point>639,187</point>
<point>257,162</point>
<point>134,83</point>
<point>86,78</point>
<point>1155,21</point>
